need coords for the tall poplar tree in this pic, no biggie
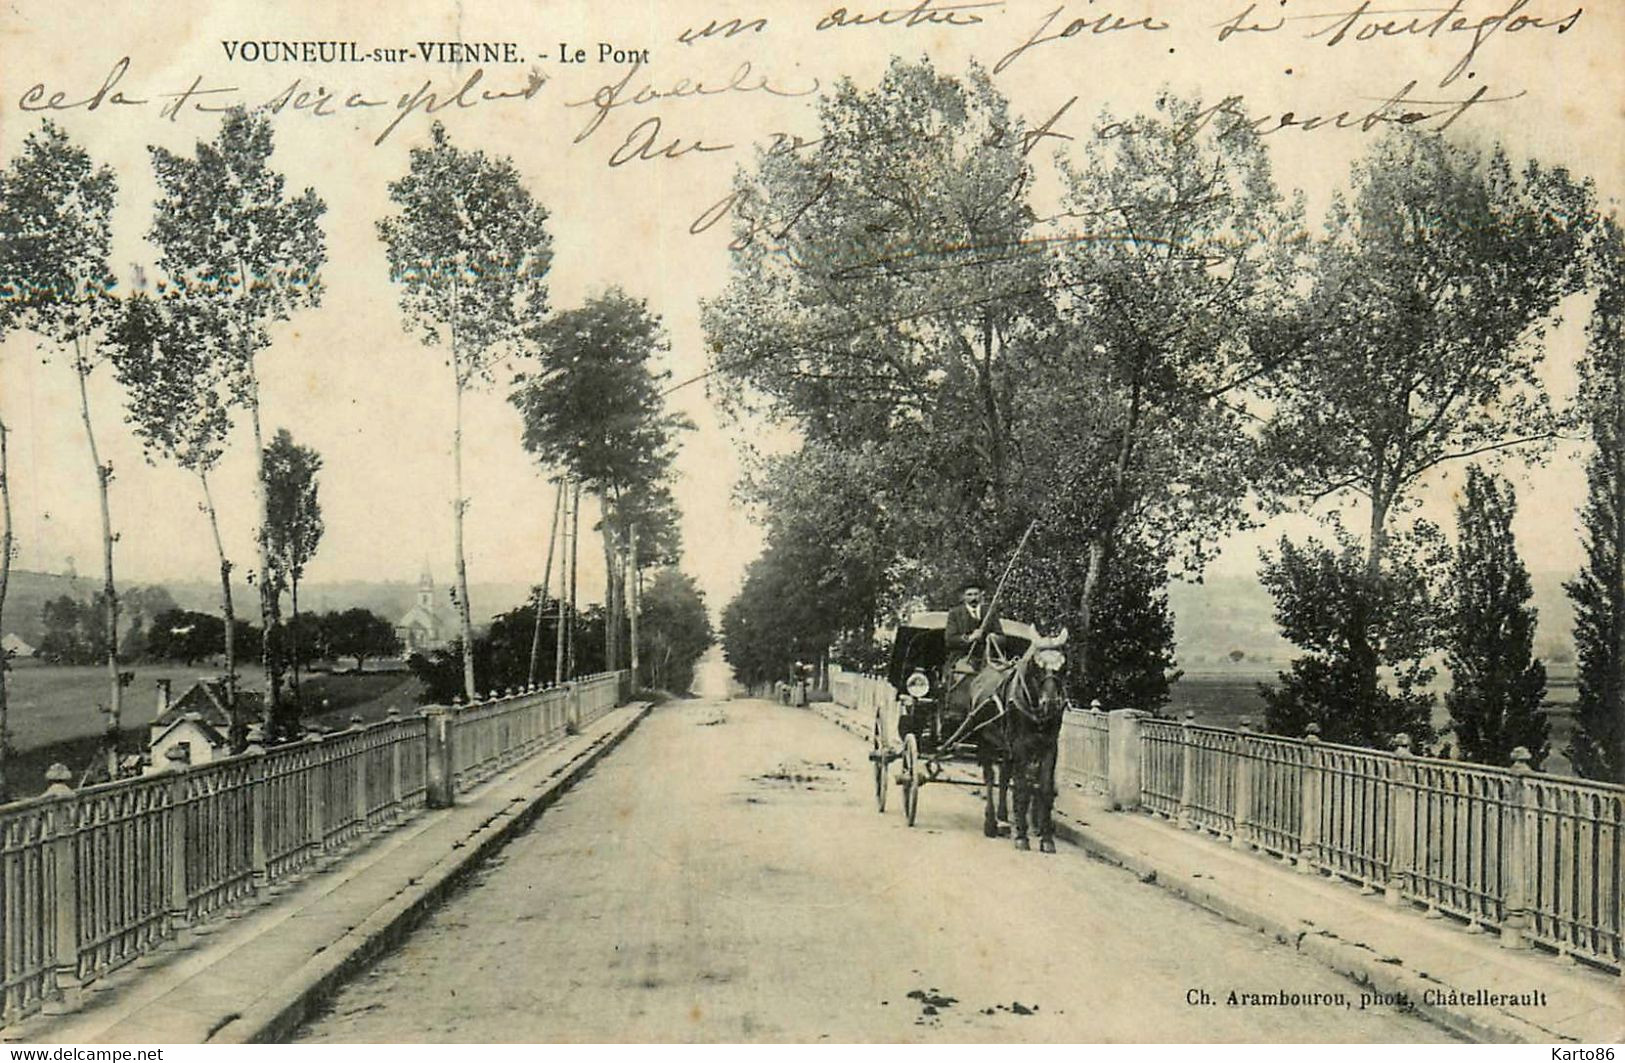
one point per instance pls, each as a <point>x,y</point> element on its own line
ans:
<point>56,211</point>
<point>235,244</point>
<point>1497,685</point>
<point>1598,591</point>
<point>178,404</point>
<point>470,251</point>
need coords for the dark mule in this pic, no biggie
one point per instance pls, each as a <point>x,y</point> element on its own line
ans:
<point>1016,723</point>
<point>1033,727</point>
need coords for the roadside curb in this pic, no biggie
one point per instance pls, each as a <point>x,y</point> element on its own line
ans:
<point>285,1007</point>
<point>1347,958</point>
<point>1382,974</point>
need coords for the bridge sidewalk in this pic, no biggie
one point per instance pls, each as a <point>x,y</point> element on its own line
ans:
<point>256,976</point>
<point>1393,950</point>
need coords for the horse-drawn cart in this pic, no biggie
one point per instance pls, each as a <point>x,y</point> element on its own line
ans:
<point>920,729</point>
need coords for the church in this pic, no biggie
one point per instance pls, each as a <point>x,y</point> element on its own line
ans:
<point>426,626</point>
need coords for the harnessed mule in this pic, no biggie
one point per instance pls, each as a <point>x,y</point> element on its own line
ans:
<point>1015,718</point>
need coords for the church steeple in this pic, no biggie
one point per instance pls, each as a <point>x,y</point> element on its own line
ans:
<point>426,588</point>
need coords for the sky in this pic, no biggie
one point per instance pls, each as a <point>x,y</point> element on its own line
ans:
<point>347,380</point>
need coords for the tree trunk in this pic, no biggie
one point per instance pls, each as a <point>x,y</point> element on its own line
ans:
<point>104,474</point>
<point>635,603</point>
<point>992,419</point>
<point>239,736</point>
<point>562,627</point>
<point>1617,584</point>
<point>1362,651</point>
<point>269,607</point>
<point>547,579</point>
<point>464,615</point>
<point>575,558</point>
<point>1104,541</point>
<point>293,638</point>
<point>5,578</point>
<point>612,616</point>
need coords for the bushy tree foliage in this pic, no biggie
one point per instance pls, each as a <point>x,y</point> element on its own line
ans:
<point>1496,684</point>
<point>776,618</point>
<point>675,631</point>
<point>595,408</point>
<point>828,514</point>
<point>502,653</point>
<point>1174,293</point>
<point>359,634</point>
<point>1436,279</point>
<point>1328,603</point>
<point>895,298</point>
<point>884,291</point>
<point>187,637</point>
<point>292,530</point>
<point>1598,591</point>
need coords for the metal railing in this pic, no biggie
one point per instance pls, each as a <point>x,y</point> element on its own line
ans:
<point>1536,857</point>
<point>94,878</point>
<point>871,696</point>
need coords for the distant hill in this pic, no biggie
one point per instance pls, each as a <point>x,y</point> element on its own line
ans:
<point>1231,613</point>
<point>27,592</point>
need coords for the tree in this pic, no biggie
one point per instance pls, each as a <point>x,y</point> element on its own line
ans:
<point>360,633</point>
<point>1175,291</point>
<point>177,401</point>
<point>141,605</point>
<point>502,655</point>
<point>470,250</point>
<point>1328,603</point>
<point>63,640</point>
<point>828,519</point>
<point>594,408</point>
<point>240,253</point>
<point>5,578</point>
<point>186,636</point>
<point>1497,685</point>
<point>1432,288</point>
<point>56,211</point>
<point>779,616</point>
<point>1598,591</point>
<point>1133,633</point>
<point>887,289</point>
<point>293,525</point>
<point>675,629</point>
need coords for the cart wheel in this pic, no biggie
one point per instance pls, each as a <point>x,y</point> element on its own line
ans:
<point>878,757</point>
<point>911,778</point>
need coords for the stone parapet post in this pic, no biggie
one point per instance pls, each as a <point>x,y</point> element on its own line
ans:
<point>64,989</point>
<point>1517,830</point>
<point>1309,804</point>
<point>1123,759</point>
<point>442,768</point>
<point>1401,822</point>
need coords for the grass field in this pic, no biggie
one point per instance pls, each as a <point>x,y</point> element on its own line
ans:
<point>50,704</point>
<point>54,714</point>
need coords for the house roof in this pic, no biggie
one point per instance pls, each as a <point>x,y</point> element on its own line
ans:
<point>207,700</point>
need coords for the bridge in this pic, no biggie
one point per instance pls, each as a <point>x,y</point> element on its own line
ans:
<point>564,864</point>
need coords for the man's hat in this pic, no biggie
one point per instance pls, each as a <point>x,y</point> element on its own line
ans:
<point>967,584</point>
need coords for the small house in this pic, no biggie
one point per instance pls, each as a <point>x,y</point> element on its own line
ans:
<point>14,645</point>
<point>198,723</point>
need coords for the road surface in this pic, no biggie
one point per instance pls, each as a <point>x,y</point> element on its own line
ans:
<point>724,876</point>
